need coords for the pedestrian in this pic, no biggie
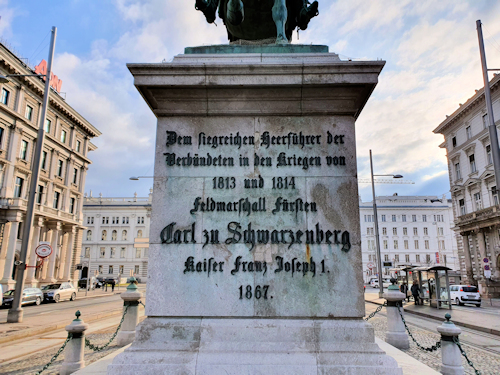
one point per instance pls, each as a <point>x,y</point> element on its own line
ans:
<point>415,290</point>
<point>106,285</point>
<point>113,286</point>
<point>404,289</point>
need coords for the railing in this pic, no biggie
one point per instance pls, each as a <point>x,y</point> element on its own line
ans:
<point>479,215</point>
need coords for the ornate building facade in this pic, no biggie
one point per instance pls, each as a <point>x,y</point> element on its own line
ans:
<point>473,189</point>
<point>414,231</point>
<point>59,201</point>
<point>116,241</point>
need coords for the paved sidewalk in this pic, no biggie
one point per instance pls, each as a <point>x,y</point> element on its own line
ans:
<point>472,318</point>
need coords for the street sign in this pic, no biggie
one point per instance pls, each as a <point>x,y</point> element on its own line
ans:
<point>43,250</point>
<point>486,260</point>
<point>370,265</point>
<point>486,267</point>
<point>487,274</point>
<point>387,264</point>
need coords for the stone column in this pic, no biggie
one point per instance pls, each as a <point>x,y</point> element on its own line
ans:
<point>9,258</point>
<point>62,257</point>
<point>468,259</point>
<point>35,239</point>
<point>396,333</point>
<point>130,302</point>
<point>69,254</point>
<point>450,353</point>
<point>73,353</point>
<point>54,243</point>
<point>482,251</point>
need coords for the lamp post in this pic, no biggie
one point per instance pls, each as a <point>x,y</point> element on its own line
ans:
<point>377,239</point>
<point>15,314</point>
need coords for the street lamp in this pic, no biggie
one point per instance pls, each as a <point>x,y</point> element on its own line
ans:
<point>15,314</point>
<point>377,240</point>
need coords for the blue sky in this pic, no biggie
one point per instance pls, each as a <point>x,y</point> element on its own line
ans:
<point>430,47</point>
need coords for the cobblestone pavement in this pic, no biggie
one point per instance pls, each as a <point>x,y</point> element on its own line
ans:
<point>36,361</point>
<point>486,362</point>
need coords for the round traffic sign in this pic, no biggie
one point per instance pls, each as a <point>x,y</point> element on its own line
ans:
<point>370,265</point>
<point>486,260</point>
<point>43,250</point>
<point>486,267</point>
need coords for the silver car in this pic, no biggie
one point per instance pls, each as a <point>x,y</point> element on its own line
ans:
<point>58,292</point>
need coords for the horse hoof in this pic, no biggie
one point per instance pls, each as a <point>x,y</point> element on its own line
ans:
<point>282,40</point>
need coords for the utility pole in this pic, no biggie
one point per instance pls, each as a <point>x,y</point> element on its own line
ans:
<point>489,108</point>
<point>377,239</point>
<point>15,314</point>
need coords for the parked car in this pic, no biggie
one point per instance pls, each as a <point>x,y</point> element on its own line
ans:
<point>82,283</point>
<point>30,295</point>
<point>58,292</point>
<point>110,281</point>
<point>386,281</point>
<point>138,279</point>
<point>461,294</point>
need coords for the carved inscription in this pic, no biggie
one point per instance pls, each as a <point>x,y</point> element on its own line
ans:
<point>247,202</point>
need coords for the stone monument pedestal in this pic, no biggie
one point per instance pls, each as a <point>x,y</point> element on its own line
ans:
<point>255,245</point>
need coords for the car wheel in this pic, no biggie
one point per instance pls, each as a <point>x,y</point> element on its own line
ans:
<point>57,298</point>
<point>73,297</point>
<point>38,301</point>
<point>459,303</point>
<point>478,305</point>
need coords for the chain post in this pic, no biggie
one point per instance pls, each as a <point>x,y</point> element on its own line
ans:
<point>396,335</point>
<point>54,357</point>
<point>73,358</point>
<point>450,353</point>
<point>131,299</point>
<point>429,349</point>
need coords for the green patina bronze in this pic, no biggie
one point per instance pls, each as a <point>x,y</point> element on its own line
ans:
<point>260,19</point>
<point>266,48</point>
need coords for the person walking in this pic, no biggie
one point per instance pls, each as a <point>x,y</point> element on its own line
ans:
<point>415,290</point>
<point>113,286</point>
<point>404,289</point>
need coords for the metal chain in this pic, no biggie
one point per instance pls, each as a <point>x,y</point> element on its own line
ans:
<point>429,349</point>
<point>61,349</point>
<point>376,311</point>
<point>96,348</point>
<point>142,304</point>
<point>457,341</point>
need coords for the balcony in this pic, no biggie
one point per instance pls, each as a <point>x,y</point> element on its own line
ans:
<point>482,218</point>
<point>22,204</point>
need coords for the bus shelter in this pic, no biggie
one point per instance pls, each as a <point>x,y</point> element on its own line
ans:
<point>434,285</point>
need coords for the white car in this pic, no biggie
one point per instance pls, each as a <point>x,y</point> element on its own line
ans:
<point>385,281</point>
<point>461,294</point>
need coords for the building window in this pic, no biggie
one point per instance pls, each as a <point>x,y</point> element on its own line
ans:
<point>105,219</point>
<point>100,269</point>
<point>122,269</point>
<point>5,97</point>
<point>494,194</point>
<point>63,136</point>
<point>112,252</point>
<point>78,146</point>
<point>386,257</point>
<point>110,270</point>
<point>28,113</point>
<point>416,244</point>
<point>461,203</point>
<point>136,270</point>
<point>1,134</point>
<point>57,196</point>
<point>427,258</point>
<point>139,233</point>
<point>125,220</point>
<point>440,231</point>
<point>472,164</point>
<point>122,252</point>
<point>417,258</point>
<point>396,257</point>
<point>394,218</point>
<point>426,243</point>
<point>44,159</point>
<point>383,218</point>
<point>415,231</point>
<point>124,235</point>
<point>477,199</point>
<point>104,235</point>
<point>75,175</point>
<point>18,189</point>
<point>441,245</point>
<point>405,231</point>
<point>384,231</point>
<point>426,231</point>
<point>454,141</point>
<point>24,150</point>
<point>406,244</point>
<point>39,194</point>
<point>113,235</point>
<point>458,173</point>
<point>72,205</point>
<point>87,252</point>
<point>102,253</point>
<point>403,217</point>
<point>407,258</point>
<point>424,218</point>
<point>89,235</point>
<point>140,219</point>
<point>395,231</point>
<point>138,253</point>
<point>48,123</point>
<point>386,246</point>
<point>59,168</point>
<point>468,130</point>
<point>414,218</point>
<point>19,230</point>
<point>485,121</point>
<point>488,154</point>
<point>395,244</point>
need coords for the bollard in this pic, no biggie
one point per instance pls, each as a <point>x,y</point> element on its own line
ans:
<point>73,354</point>
<point>450,352</point>
<point>396,333</point>
<point>131,299</point>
